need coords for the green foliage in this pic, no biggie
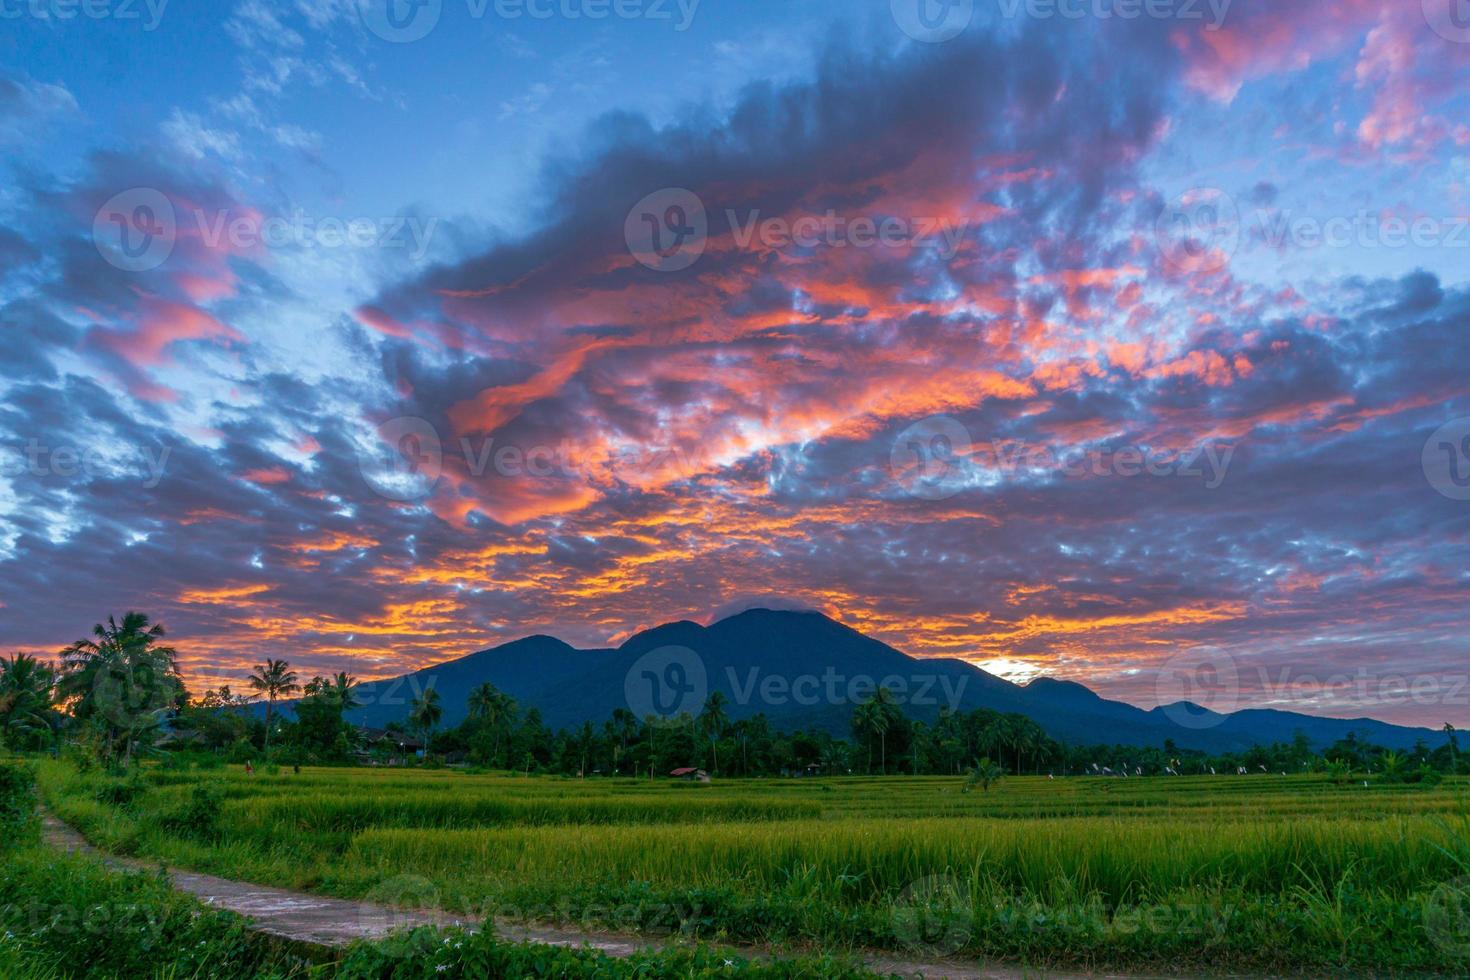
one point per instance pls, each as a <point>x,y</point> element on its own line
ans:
<point>18,824</point>
<point>985,774</point>
<point>199,817</point>
<point>27,702</point>
<point>431,954</point>
<point>80,920</point>
<point>123,683</point>
<point>1257,874</point>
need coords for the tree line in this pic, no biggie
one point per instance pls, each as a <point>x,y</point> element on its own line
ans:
<point>118,694</point>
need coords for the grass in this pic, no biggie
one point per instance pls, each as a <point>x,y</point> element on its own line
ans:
<point>1260,873</point>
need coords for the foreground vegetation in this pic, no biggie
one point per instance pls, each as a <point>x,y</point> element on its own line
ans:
<point>1264,873</point>
<point>68,916</point>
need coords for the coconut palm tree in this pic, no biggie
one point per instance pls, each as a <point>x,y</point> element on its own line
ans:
<point>712,722</point>
<point>985,775</point>
<point>27,694</point>
<point>494,707</point>
<point>344,689</point>
<point>425,716</point>
<point>122,680</point>
<point>274,679</point>
<point>1449,731</point>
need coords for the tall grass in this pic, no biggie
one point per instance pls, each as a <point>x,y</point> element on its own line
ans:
<point>1264,872</point>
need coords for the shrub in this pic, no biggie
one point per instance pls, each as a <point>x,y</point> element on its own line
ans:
<point>84,921</point>
<point>199,817</point>
<point>18,823</point>
<point>121,792</point>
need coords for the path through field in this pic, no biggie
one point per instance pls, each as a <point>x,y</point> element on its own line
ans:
<point>324,921</point>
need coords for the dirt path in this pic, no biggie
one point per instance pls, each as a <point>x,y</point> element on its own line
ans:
<point>326,921</point>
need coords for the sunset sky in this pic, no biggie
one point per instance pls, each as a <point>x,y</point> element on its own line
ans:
<point>1107,339</point>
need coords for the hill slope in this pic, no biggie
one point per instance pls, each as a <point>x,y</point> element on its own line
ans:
<point>803,670</point>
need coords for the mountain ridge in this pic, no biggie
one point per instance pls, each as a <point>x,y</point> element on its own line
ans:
<point>804,670</point>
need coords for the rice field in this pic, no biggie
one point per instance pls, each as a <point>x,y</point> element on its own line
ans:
<point>1264,874</point>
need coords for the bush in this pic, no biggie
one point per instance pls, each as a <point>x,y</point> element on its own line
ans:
<point>199,817</point>
<point>84,921</point>
<point>433,954</point>
<point>18,823</point>
<point>121,792</point>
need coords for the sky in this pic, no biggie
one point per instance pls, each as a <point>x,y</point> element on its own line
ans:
<point>1073,338</point>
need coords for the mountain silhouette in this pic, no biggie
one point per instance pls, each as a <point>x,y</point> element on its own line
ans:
<point>806,671</point>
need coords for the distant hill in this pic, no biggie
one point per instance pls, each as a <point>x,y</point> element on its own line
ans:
<point>804,670</point>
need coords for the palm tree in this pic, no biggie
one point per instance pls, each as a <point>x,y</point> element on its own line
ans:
<point>493,706</point>
<point>344,689</point>
<point>985,775</point>
<point>122,680</point>
<point>875,717</point>
<point>27,693</point>
<point>425,716</point>
<point>1449,731</point>
<point>713,721</point>
<point>274,679</point>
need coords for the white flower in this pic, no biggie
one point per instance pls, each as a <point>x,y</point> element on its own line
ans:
<point>441,968</point>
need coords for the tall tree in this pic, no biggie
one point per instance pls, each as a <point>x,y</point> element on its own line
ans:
<point>274,679</point>
<point>713,722</point>
<point>27,696</point>
<point>123,681</point>
<point>1449,731</point>
<point>425,716</point>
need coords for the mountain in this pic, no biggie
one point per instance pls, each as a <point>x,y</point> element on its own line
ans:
<point>804,670</point>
